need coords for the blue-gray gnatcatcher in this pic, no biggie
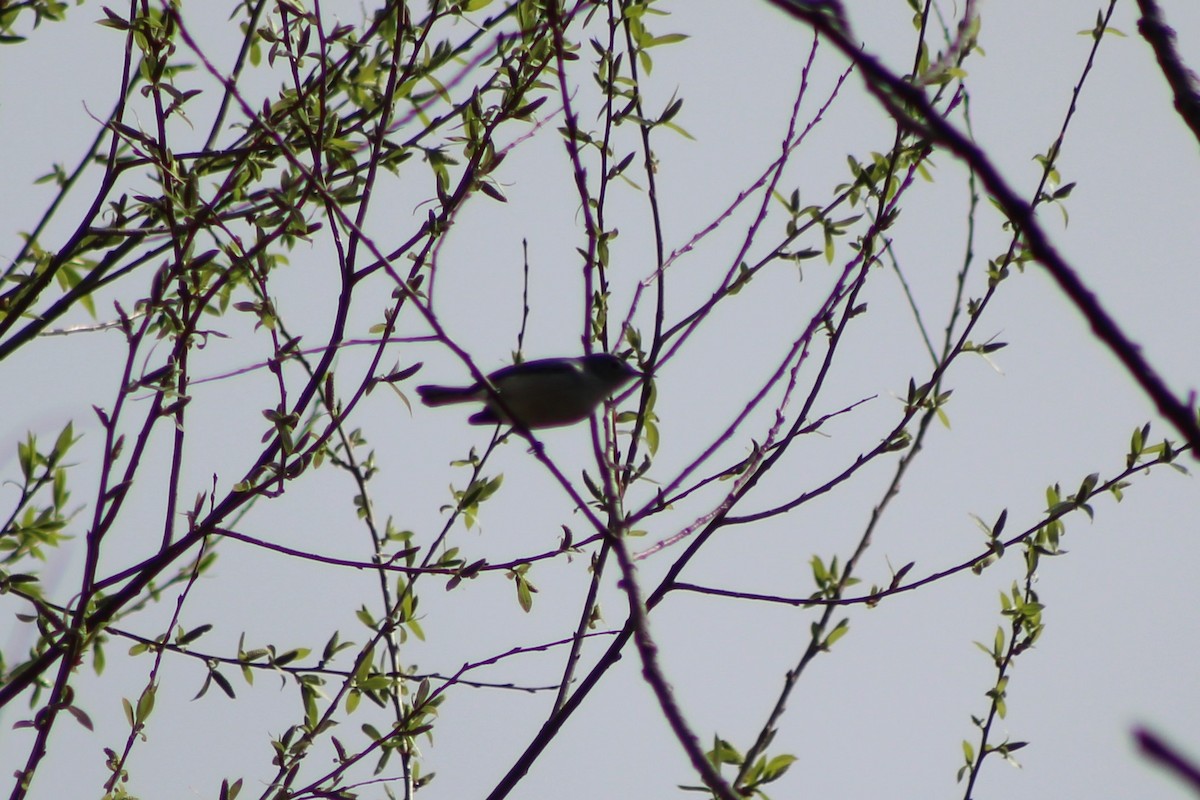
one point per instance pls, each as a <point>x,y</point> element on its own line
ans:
<point>540,394</point>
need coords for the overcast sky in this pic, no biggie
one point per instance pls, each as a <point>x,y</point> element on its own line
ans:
<point>885,712</point>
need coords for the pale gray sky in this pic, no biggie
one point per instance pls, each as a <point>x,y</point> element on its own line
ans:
<point>885,712</point>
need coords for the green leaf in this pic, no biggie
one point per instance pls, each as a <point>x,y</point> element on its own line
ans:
<point>81,717</point>
<point>776,767</point>
<point>145,704</point>
<point>723,753</point>
<point>223,682</point>
<point>229,791</point>
<point>669,38</point>
<point>840,630</point>
<point>63,443</point>
<point>193,635</point>
<point>114,20</point>
<point>524,595</point>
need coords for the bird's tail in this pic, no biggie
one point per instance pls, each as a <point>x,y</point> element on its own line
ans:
<point>445,395</point>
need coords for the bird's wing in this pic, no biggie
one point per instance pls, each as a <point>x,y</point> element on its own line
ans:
<point>542,366</point>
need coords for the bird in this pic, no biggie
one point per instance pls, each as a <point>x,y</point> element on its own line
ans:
<point>546,393</point>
